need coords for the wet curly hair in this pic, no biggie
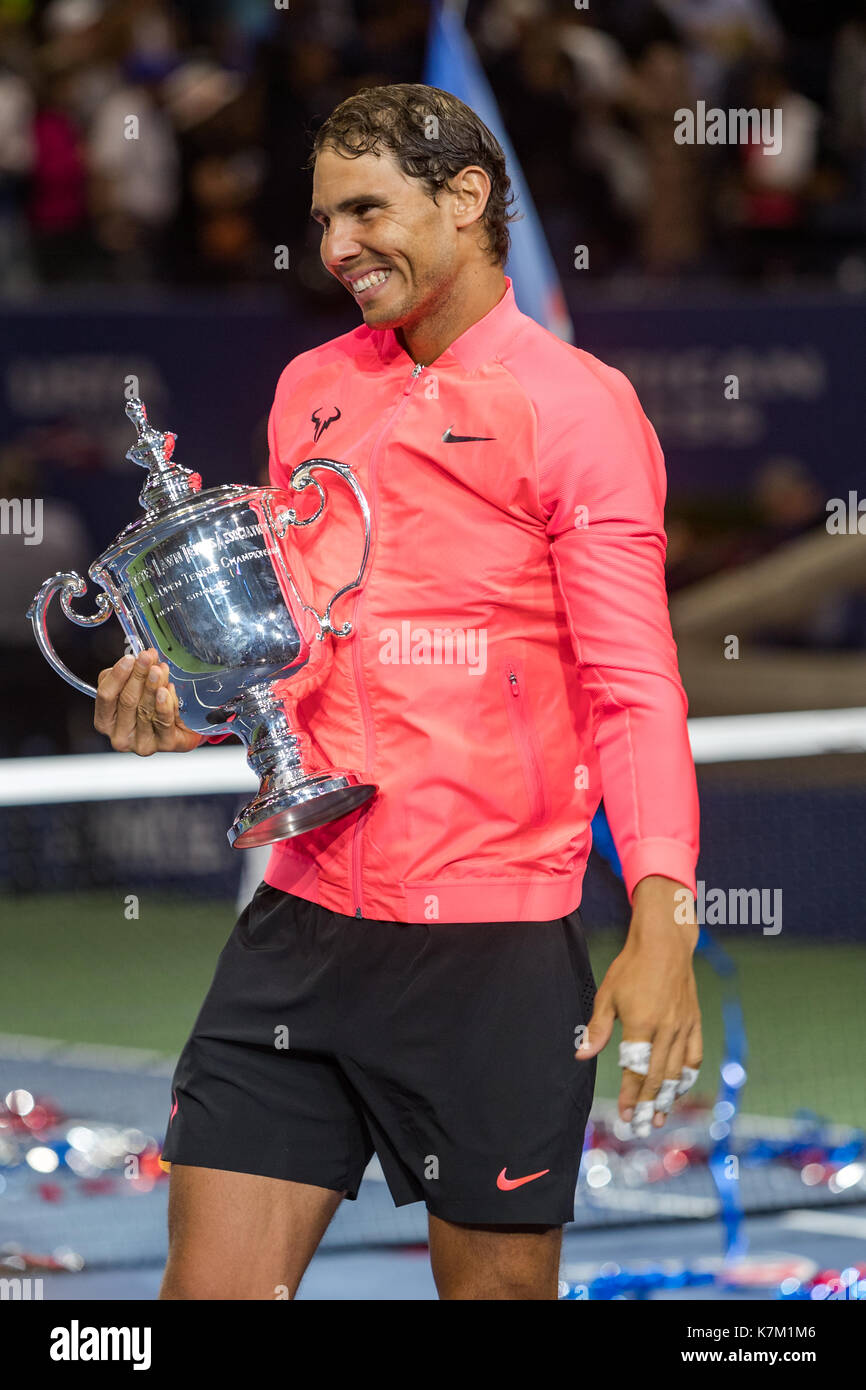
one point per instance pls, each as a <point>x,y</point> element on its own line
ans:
<point>400,118</point>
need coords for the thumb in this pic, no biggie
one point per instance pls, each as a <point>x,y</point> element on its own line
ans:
<point>599,1029</point>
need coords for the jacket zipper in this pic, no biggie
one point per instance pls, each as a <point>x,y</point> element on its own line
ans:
<point>357,896</point>
<point>527,743</point>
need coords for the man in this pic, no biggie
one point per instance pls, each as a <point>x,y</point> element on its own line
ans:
<point>511,660</point>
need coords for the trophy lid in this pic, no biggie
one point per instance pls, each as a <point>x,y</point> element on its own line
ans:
<point>167,482</point>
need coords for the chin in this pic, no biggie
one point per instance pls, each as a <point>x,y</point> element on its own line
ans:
<point>382,318</point>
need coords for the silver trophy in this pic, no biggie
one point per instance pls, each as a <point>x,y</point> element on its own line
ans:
<point>202,578</point>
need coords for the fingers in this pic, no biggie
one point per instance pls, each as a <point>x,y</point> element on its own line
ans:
<point>645,1068</point>
<point>598,1032</point>
<point>694,1055</point>
<point>137,707</point>
<point>644,1108</point>
<point>126,723</point>
<point>670,1086</point>
<point>641,1063</point>
<point>150,735</point>
<point>693,1046</point>
<point>108,688</point>
<point>659,1073</point>
<point>695,1041</point>
<point>634,1059</point>
<point>134,706</point>
<point>165,712</point>
<point>157,676</point>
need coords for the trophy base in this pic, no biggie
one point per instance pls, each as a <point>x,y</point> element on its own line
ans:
<point>286,811</point>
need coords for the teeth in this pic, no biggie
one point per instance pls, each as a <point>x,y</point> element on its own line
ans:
<point>377,277</point>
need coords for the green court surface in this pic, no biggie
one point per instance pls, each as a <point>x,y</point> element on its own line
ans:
<point>76,969</point>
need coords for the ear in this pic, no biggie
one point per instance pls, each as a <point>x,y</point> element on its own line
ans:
<point>471,189</point>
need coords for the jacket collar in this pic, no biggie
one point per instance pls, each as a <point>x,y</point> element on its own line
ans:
<point>481,342</point>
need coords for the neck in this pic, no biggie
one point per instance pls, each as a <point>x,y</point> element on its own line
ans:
<point>468,300</point>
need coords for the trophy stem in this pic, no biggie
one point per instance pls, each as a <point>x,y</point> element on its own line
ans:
<point>294,796</point>
<point>273,744</point>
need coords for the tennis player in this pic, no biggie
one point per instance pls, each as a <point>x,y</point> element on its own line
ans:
<point>412,980</point>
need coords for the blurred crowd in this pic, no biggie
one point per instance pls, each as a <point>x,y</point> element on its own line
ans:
<point>163,141</point>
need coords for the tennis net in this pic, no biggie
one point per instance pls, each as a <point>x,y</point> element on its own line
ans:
<point>118,890</point>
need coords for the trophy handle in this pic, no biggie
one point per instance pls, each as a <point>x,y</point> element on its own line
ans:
<point>70,584</point>
<point>302,477</point>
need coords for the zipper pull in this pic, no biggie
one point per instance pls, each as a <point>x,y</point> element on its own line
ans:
<point>515,688</point>
<point>416,372</point>
<point>357,912</point>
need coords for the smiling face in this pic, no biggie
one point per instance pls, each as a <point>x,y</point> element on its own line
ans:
<point>375,218</point>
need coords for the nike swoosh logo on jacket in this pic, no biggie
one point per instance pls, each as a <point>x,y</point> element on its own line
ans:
<point>512,658</point>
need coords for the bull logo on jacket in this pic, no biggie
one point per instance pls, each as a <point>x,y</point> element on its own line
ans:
<point>322,417</point>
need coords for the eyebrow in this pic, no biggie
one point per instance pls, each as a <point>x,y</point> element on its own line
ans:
<point>371,200</point>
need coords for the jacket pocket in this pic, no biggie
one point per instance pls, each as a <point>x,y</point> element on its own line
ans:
<point>526,740</point>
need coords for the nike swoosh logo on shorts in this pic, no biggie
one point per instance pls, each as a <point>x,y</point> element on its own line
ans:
<point>449,438</point>
<point>506,1184</point>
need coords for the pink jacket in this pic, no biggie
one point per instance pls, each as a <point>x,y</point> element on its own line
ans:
<point>512,657</point>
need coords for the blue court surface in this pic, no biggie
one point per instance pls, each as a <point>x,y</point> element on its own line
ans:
<point>111,1102</point>
<point>404,1274</point>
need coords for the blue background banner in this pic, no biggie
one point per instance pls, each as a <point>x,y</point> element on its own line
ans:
<point>207,369</point>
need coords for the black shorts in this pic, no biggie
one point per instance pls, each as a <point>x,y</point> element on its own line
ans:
<point>445,1048</point>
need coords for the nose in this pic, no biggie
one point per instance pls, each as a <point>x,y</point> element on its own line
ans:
<point>339,248</point>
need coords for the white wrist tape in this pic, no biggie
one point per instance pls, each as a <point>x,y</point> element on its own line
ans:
<point>667,1094</point>
<point>641,1120</point>
<point>688,1077</point>
<point>635,1056</point>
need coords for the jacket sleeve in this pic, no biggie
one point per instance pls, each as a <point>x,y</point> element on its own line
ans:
<point>602,485</point>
